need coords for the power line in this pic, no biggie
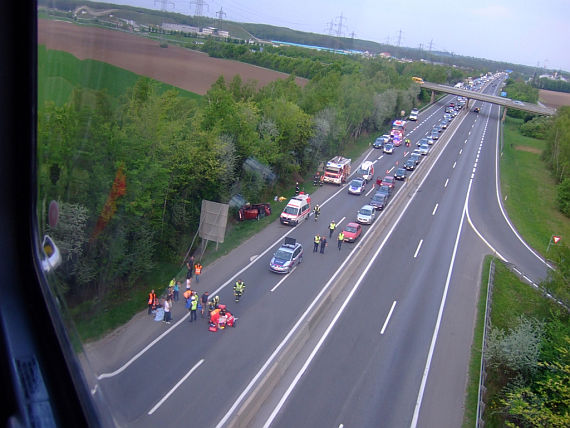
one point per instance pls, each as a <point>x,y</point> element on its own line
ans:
<point>199,11</point>
<point>164,4</point>
<point>220,14</point>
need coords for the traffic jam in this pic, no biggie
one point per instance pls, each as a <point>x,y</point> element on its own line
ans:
<point>338,171</point>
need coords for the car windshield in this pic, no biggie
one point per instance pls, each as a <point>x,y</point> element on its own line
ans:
<point>356,183</point>
<point>363,171</point>
<point>283,255</point>
<point>365,211</point>
<point>291,210</point>
<point>350,229</point>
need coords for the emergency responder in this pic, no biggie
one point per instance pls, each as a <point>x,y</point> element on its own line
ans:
<point>317,211</point>
<point>216,301</point>
<point>297,190</point>
<point>407,141</point>
<point>151,300</point>
<point>316,178</point>
<point>316,242</point>
<point>332,227</point>
<point>239,288</point>
<point>340,239</point>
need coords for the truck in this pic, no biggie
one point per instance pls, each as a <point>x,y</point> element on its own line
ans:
<point>337,170</point>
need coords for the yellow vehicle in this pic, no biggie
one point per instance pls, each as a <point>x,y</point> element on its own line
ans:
<point>418,80</point>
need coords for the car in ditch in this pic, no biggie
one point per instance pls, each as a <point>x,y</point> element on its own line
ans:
<point>289,255</point>
<point>254,211</point>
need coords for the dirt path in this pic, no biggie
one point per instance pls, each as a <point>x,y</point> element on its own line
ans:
<point>191,70</point>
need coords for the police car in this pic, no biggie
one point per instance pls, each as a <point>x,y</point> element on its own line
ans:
<point>289,255</point>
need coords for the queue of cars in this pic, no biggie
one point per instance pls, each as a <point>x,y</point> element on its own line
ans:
<point>290,254</point>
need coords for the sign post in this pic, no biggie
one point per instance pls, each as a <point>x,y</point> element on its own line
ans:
<point>554,239</point>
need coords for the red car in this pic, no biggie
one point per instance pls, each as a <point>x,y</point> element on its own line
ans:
<point>254,211</point>
<point>389,181</point>
<point>352,231</point>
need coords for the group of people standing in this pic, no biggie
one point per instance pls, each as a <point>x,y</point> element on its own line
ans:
<point>321,240</point>
<point>162,307</point>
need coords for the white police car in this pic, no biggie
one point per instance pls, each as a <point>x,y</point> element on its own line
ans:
<point>289,255</point>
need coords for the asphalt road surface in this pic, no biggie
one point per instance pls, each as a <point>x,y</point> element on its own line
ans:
<point>370,368</point>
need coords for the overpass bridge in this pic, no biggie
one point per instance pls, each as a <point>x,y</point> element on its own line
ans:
<point>502,101</point>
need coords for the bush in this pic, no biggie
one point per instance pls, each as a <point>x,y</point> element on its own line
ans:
<point>563,197</point>
<point>537,127</point>
<point>517,349</point>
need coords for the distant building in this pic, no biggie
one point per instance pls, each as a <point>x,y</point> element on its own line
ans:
<point>182,28</point>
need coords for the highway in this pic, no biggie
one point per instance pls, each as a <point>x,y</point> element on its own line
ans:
<point>371,366</point>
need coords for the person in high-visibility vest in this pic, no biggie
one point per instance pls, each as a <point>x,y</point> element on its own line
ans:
<point>317,241</point>
<point>198,271</point>
<point>340,239</point>
<point>151,299</point>
<point>193,307</point>
<point>332,227</point>
<point>239,288</point>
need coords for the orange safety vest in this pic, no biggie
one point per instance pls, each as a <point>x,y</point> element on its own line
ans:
<point>187,294</point>
<point>151,297</point>
<point>198,269</point>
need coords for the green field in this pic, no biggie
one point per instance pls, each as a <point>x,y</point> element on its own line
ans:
<point>60,72</point>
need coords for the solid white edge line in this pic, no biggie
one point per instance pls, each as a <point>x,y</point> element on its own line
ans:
<point>175,387</point>
<point>538,256</point>
<point>388,318</point>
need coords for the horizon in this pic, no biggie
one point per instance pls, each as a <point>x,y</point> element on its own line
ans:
<point>509,21</point>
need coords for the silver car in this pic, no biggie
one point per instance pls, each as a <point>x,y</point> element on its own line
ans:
<point>365,215</point>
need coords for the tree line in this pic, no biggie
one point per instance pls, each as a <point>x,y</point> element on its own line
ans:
<point>130,173</point>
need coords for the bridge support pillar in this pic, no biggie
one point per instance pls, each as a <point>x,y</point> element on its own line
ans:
<point>504,114</point>
<point>432,97</point>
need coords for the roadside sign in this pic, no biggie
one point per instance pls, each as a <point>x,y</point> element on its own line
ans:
<point>556,239</point>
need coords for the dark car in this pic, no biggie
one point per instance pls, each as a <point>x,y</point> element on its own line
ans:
<point>289,255</point>
<point>410,164</point>
<point>385,189</point>
<point>379,201</point>
<point>401,174</point>
<point>476,109</point>
<point>416,157</point>
<point>434,135</point>
<point>378,143</point>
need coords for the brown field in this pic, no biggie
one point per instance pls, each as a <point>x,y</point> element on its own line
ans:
<point>553,99</point>
<point>187,69</point>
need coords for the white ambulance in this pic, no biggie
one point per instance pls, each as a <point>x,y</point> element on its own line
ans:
<point>297,210</point>
<point>366,171</point>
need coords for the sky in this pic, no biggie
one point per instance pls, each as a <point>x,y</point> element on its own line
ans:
<point>529,32</point>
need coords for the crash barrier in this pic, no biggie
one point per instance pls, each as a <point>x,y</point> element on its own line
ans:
<point>486,328</point>
<point>264,387</point>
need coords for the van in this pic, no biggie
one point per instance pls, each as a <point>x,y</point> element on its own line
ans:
<point>414,114</point>
<point>297,210</point>
<point>366,171</point>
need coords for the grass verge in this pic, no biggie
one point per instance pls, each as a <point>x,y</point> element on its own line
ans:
<point>512,298</point>
<point>528,189</point>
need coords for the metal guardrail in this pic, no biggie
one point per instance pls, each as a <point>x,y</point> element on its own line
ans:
<point>480,423</point>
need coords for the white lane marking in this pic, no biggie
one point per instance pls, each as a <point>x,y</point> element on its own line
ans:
<point>460,151</point>
<point>388,318</point>
<point>391,169</point>
<point>418,249</point>
<point>446,182</point>
<point>380,157</point>
<point>371,189</point>
<point>340,221</point>
<point>440,314</point>
<point>434,209</point>
<point>157,405</point>
<point>454,163</point>
<point>283,279</point>
<point>465,141</point>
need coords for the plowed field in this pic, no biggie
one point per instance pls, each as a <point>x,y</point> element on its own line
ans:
<point>191,70</point>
